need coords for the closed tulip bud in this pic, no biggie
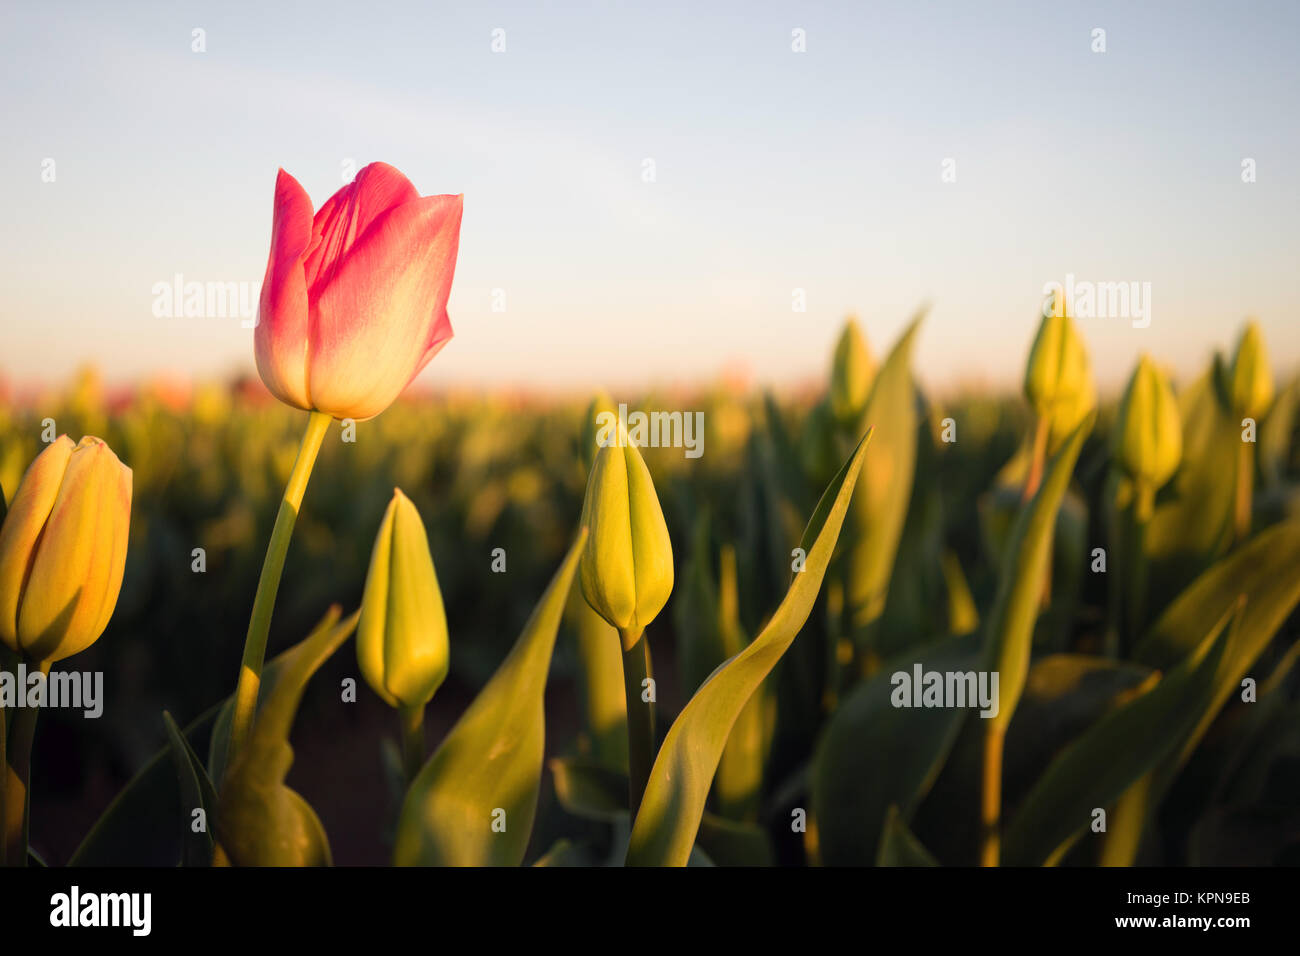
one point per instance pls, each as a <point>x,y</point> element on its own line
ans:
<point>1070,413</point>
<point>626,571</point>
<point>402,646</point>
<point>63,550</point>
<point>1148,437</point>
<point>601,405</point>
<point>354,302</point>
<point>1058,378</point>
<point>1250,380</point>
<point>851,372</point>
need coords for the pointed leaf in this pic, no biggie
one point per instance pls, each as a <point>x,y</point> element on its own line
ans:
<point>666,825</point>
<point>880,501</point>
<point>492,759</point>
<point>197,793</point>
<point>1114,753</point>
<point>899,846</point>
<point>1024,572</point>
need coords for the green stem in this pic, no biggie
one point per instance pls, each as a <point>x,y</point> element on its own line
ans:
<point>259,625</point>
<point>991,797</point>
<point>24,734</point>
<point>412,740</point>
<point>4,783</point>
<point>640,716</point>
<point>1143,508</point>
<point>1041,433</point>
<point>1245,488</point>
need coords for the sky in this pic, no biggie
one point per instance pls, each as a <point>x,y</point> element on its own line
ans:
<point>957,154</point>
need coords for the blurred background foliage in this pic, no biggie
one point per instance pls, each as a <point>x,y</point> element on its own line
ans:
<point>509,472</point>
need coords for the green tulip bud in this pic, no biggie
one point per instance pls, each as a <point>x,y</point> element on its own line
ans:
<point>1058,375</point>
<point>1250,381</point>
<point>1148,437</point>
<point>852,370</point>
<point>626,570</point>
<point>402,647</point>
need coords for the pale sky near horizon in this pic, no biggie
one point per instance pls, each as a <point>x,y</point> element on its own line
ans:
<point>774,170</point>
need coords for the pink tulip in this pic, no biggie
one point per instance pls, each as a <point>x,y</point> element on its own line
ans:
<point>354,303</point>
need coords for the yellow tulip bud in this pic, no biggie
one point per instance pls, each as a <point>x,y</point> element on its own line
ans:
<point>601,402</point>
<point>1070,413</point>
<point>63,550</point>
<point>1250,381</point>
<point>626,571</point>
<point>1148,437</point>
<point>1058,371</point>
<point>851,372</point>
<point>402,646</point>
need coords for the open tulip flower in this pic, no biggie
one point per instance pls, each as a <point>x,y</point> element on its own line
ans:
<point>354,303</point>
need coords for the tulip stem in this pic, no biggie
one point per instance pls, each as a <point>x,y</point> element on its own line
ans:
<point>991,801</point>
<point>1245,482</point>
<point>259,624</point>
<point>640,716</point>
<point>4,779</point>
<point>24,733</point>
<point>1041,433</point>
<point>412,740</point>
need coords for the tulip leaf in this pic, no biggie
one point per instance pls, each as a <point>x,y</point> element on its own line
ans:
<point>473,802</point>
<point>119,836</point>
<point>1115,752</point>
<point>666,825</point>
<point>899,846</point>
<point>881,498</point>
<point>592,792</point>
<point>1023,574</point>
<point>197,794</point>
<point>1263,571</point>
<point>850,794</point>
<point>260,821</point>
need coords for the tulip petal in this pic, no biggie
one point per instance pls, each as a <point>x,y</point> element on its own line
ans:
<point>383,315</point>
<point>348,214</point>
<point>280,339</point>
<point>22,530</point>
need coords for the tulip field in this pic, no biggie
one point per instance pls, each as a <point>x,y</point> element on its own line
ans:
<point>342,621</point>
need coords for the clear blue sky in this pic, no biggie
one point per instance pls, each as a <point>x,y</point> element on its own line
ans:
<point>775,170</point>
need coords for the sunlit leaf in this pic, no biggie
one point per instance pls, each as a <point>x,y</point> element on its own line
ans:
<point>1114,753</point>
<point>488,769</point>
<point>666,825</point>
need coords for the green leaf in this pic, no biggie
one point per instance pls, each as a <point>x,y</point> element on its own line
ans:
<point>666,825</point>
<point>592,792</point>
<point>899,846</point>
<point>260,821</point>
<point>492,759</point>
<point>127,832</point>
<point>1116,752</point>
<point>1024,573</point>
<point>850,793</point>
<point>197,793</point>
<point>1264,570</point>
<point>880,500</point>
